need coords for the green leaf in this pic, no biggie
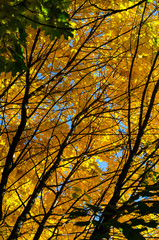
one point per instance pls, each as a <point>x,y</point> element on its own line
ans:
<point>131,233</point>
<point>143,208</point>
<point>84,223</point>
<point>2,64</point>
<point>152,224</point>
<point>23,36</point>
<point>100,236</point>
<point>14,19</point>
<point>156,41</point>
<point>95,222</point>
<point>15,67</point>
<point>76,189</point>
<point>78,213</point>
<point>2,60</point>
<point>94,208</point>
<point>89,198</point>
<point>75,195</point>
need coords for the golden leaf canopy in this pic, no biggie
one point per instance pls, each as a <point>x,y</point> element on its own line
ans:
<point>79,124</point>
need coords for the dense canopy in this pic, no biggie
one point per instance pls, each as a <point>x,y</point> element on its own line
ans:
<point>79,119</point>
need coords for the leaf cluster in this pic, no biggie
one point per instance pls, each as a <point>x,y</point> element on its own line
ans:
<point>16,16</point>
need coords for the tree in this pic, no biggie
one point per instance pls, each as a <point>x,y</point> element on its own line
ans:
<point>79,103</point>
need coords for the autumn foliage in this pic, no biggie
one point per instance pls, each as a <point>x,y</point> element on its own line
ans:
<point>79,124</point>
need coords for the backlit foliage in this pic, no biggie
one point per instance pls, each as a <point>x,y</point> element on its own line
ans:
<point>79,125</point>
